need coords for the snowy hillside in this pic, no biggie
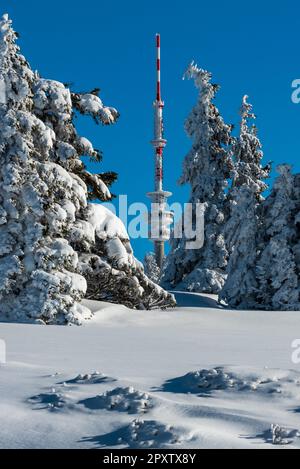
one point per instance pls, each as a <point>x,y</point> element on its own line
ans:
<point>195,377</point>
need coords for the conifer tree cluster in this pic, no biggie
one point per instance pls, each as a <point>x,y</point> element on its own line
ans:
<point>251,254</point>
<point>59,244</point>
<point>244,224</point>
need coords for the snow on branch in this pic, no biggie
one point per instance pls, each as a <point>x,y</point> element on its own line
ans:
<point>91,104</point>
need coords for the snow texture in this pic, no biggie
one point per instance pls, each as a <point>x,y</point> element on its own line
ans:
<point>205,386</point>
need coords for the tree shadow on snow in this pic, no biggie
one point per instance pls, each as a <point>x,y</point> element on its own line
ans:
<point>98,403</point>
<point>49,401</point>
<point>265,436</point>
<point>196,300</point>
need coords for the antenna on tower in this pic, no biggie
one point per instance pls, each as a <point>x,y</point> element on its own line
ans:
<point>160,218</point>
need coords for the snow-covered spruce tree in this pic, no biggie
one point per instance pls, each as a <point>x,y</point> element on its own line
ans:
<point>99,238</point>
<point>151,268</point>
<point>207,168</point>
<point>38,278</point>
<point>44,190</point>
<point>243,230</point>
<point>248,154</point>
<point>106,258</point>
<point>277,269</point>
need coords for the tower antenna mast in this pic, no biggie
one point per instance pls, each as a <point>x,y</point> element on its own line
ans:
<point>160,218</point>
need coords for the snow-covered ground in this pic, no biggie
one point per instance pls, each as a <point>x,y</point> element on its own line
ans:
<point>195,377</point>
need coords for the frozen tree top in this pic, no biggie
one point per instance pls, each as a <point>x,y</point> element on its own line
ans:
<point>202,79</point>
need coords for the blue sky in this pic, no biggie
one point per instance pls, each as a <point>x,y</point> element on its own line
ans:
<point>249,47</point>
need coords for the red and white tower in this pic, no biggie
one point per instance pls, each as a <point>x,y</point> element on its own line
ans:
<point>160,218</point>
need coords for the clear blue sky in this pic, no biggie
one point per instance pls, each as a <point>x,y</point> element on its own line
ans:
<point>250,48</point>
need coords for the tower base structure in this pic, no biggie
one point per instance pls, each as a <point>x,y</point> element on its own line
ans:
<point>159,250</point>
<point>159,224</point>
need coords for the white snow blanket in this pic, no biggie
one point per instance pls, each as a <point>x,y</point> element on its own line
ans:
<point>198,376</point>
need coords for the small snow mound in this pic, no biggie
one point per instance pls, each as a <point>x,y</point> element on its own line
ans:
<point>138,434</point>
<point>121,399</point>
<point>151,434</point>
<point>282,436</point>
<point>90,378</point>
<point>205,382</point>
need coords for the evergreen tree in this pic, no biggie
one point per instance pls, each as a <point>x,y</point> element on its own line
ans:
<point>44,211</point>
<point>207,168</point>
<point>151,268</point>
<point>277,270</point>
<point>248,154</point>
<point>38,278</point>
<point>243,230</point>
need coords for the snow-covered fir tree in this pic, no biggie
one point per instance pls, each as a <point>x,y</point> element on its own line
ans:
<point>278,265</point>
<point>248,155</point>
<point>243,230</point>
<point>44,209</point>
<point>152,270</point>
<point>38,278</point>
<point>207,168</point>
